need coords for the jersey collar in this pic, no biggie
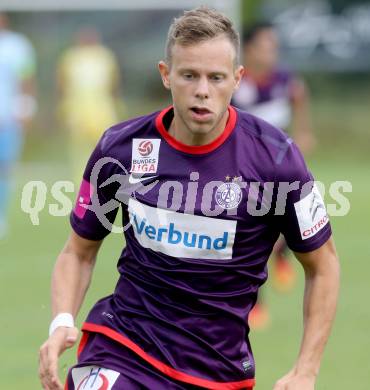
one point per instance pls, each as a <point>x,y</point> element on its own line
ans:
<point>194,149</point>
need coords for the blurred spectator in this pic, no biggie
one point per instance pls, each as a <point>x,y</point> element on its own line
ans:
<point>17,105</point>
<point>88,82</point>
<point>270,92</point>
<point>279,97</point>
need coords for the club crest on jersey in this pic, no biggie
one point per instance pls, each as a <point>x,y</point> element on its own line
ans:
<point>228,195</point>
<point>145,152</point>
<point>94,378</point>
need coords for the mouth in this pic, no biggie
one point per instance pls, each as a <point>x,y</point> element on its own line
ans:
<point>200,110</point>
<point>201,113</point>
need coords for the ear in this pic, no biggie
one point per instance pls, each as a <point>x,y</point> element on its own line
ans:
<point>164,70</point>
<point>238,75</point>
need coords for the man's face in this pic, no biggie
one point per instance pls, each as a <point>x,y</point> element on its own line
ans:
<point>263,50</point>
<point>202,78</point>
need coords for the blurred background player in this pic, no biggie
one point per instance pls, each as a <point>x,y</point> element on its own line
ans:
<point>88,81</point>
<point>279,97</point>
<point>17,105</point>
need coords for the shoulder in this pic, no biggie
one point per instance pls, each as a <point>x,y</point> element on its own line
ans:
<point>265,134</point>
<point>18,41</point>
<point>122,133</point>
<point>113,153</point>
<point>270,148</point>
<point>21,42</point>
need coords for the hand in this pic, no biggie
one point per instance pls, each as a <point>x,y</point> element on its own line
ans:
<point>295,381</point>
<point>61,339</point>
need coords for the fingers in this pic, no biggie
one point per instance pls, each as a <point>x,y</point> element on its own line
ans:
<point>48,369</point>
<point>57,343</point>
<point>296,382</point>
<point>42,365</point>
<point>283,383</point>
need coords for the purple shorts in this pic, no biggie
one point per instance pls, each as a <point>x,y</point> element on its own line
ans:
<point>104,364</point>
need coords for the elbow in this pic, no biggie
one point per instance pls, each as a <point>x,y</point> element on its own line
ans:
<point>80,255</point>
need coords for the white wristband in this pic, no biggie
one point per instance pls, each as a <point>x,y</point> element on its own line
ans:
<point>62,319</point>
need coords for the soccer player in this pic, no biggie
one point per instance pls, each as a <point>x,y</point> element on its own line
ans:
<point>17,105</point>
<point>88,80</point>
<point>199,236</point>
<point>278,96</point>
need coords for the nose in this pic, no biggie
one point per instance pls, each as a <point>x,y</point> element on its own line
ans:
<point>202,88</point>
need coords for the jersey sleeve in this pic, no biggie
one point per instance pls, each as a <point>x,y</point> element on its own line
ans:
<point>96,206</point>
<point>304,221</point>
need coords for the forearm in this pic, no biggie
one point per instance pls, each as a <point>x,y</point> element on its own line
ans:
<point>301,119</point>
<point>320,300</point>
<point>70,281</point>
<point>302,130</point>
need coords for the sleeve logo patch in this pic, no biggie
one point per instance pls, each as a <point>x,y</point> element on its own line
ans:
<point>311,214</point>
<point>83,198</point>
<point>94,378</point>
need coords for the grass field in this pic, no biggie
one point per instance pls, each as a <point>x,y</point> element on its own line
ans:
<point>28,253</point>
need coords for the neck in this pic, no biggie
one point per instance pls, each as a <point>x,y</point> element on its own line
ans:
<point>179,130</point>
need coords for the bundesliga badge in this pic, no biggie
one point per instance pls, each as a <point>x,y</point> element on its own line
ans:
<point>145,154</point>
<point>228,195</point>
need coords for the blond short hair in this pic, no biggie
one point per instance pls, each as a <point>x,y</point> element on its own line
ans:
<point>199,25</point>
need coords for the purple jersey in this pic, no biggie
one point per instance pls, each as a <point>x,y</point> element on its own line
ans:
<point>269,100</point>
<point>201,224</point>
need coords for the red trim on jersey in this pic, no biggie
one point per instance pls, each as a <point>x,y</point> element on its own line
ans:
<point>194,149</point>
<point>167,370</point>
<point>81,346</point>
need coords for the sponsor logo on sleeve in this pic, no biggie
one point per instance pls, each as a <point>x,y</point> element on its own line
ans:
<point>83,198</point>
<point>145,154</point>
<point>94,378</point>
<point>311,214</point>
<point>182,235</point>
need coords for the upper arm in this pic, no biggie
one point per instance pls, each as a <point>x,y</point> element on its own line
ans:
<point>96,205</point>
<point>301,213</point>
<point>323,258</point>
<point>84,249</point>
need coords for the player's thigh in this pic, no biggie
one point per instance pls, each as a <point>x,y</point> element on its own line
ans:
<point>93,377</point>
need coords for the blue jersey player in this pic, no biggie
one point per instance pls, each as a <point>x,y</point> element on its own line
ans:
<point>205,191</point>
<point>17,107</point>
